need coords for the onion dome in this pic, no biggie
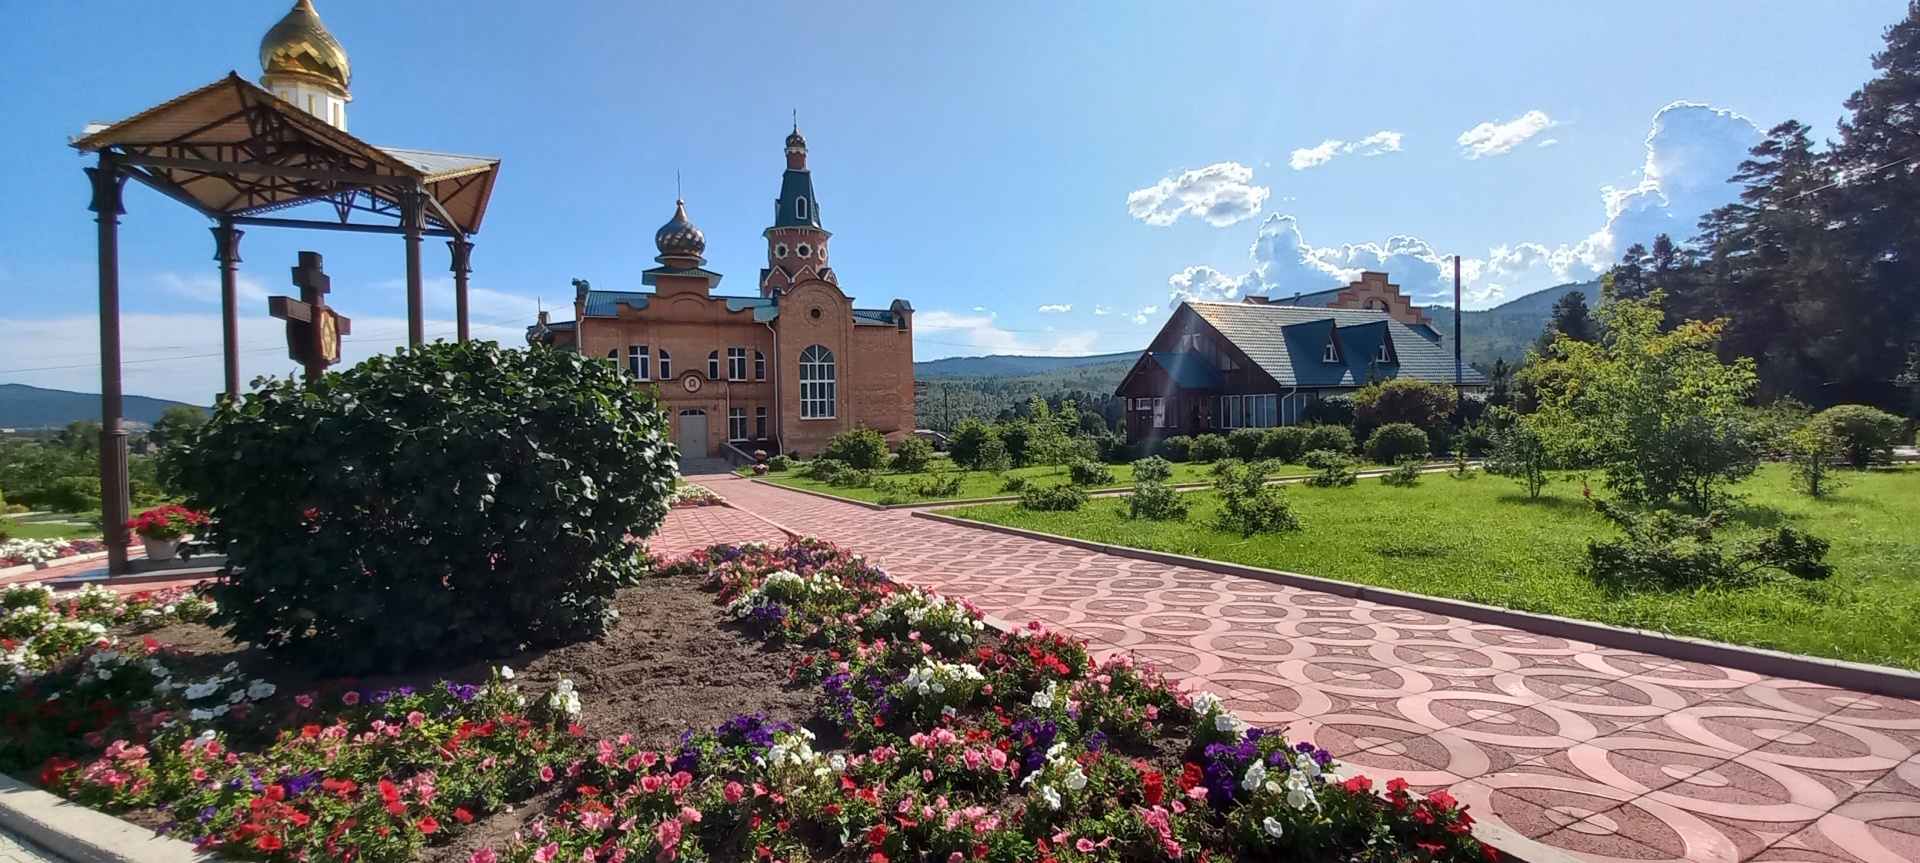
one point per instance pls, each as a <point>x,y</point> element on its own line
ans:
<point>679,238</point>
<point>300,46</point>
<point>795,141</point>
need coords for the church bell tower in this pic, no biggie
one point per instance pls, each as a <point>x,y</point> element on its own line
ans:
<point>796,244</point>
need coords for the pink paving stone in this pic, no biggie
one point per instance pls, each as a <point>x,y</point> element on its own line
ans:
<point>1484,708</point>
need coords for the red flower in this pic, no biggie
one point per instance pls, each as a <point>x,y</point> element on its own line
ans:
<point>463,816</point>
<point>1443,800</point>
<point>1492,855</point>
<point>267,842</point>
<point>1396,785</point>
<point>1156,787</point>
<point>877,857</point>
<point>428,825</point>
<point>877,835</point>
<point>1191,777</point>
<point>1433,848</point>
<point>55,768</point>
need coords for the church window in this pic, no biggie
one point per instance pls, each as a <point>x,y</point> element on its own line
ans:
<point>780,251</point>
<point>816,383</point>
<point>815,313</point>
<point>804,250</point>
<point>800,212</point>
<point>760,423</point>
<point>759,366</point>
<point>713,366</point>
<point>666,368</point>
<point>637,357</point>
<point>736,364</point>
<point>736,424</point>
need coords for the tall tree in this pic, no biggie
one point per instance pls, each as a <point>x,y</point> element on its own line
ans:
<point>1571,318</point>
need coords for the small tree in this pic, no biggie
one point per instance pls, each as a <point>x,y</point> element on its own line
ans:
<point>1247,504</point>
<point>1396,442</point>
<point>1154,498</point>
<point>862,449</point>
<point>993,457</point>
<point>1866,435</point>
<point>969,440</point>
<point>1812,449</point>
<point>1333,468</point>
<point>1519,453</point>
<point>177,424</point>
<point>1424,404</point>
<point>913,455</point>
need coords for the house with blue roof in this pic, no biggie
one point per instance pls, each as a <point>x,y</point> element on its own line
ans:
<point>783,371</point>
<point>1215,367</point>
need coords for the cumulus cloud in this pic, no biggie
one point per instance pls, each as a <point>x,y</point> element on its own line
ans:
<point>1493,139</point>
<point>1219,194</point>
<point>1142,316</point>
<point>944,331</point>
<point>1103,310</point>
<point>1325,151</point>
<point>1692,153</point>
<point>1056,307</point>
<point>1203,283</point>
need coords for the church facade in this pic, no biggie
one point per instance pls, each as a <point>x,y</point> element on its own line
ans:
<point>784,370</point>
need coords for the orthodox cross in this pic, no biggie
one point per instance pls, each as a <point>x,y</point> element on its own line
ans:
<point>313,330</point>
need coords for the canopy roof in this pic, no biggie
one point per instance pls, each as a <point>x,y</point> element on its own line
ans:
<point>232,149</point>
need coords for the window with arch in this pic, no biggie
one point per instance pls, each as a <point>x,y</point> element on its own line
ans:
<point>666,365</point>
<point>713,366</point>
<point>759,366</point>
<point>816,383</point>
<point>799,208</point>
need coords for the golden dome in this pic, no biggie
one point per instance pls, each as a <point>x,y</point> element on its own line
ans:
<point>300,46</point>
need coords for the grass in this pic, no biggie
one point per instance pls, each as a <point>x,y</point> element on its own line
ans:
<point>44,530</point>
<point>978,483</point>
<point>1483,540</point>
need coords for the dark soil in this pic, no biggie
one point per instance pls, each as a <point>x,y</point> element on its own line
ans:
<point>672,663</point>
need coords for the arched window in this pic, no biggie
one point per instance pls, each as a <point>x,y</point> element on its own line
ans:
<point>666,365</point>
<point>816,383</point>
<point>799,208</point>
<point>759,366</point>
<point>713,366</point>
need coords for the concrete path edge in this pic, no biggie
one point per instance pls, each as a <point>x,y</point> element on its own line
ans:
<point>81,835</point>
<point>1830,672</point>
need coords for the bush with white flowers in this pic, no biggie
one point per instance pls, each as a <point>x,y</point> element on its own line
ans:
<point>936,687</point>
<point>949,625</point>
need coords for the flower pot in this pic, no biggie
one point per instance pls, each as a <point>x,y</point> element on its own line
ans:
<point>160,549</point>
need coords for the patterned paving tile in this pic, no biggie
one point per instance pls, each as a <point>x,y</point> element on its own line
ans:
<point>1608,754</point>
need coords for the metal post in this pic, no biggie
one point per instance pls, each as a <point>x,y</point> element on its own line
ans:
<point>114,504</point>
<point>226,250</point>
<point>413,215</point>
<point>1459,366</point>
<point>462,249</point>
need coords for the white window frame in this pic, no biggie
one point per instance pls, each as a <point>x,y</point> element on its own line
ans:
<point>800,208</point>
<point>638,362</point>
<point>736,424</point>
<point>666,367</point>
<point>1331,354</point>
<point>736,364</point>
<point>1159,413</point>
<point>817,384</point>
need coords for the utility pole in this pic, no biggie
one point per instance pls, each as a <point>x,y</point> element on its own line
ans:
<point>1459,364</point>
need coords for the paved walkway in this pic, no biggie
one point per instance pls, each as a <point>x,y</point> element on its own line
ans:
<point>1609,754</point>
<point>13,849</point>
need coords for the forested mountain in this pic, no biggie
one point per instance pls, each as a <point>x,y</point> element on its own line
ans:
<point>1009,364</point>
<point>1507,330</point>
<point>28,407</point>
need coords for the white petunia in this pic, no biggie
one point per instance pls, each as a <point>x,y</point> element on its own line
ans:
<point>1256,775</point>
<point>1272,826</point>
<point>1077,780</point>
<point>1051,796</point>
<point>1205,702</point>
<point>506,673</point>
<point>1044,698</point>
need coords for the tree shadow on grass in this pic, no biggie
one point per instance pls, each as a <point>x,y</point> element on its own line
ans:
<point>1553,503</point>
<point>1755,515</point>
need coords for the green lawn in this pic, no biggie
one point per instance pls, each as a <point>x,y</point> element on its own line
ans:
<point>41,530</point>
<point>1483,540</point>
<point>978,483</point>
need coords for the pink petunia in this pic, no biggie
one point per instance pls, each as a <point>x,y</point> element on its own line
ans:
<point>546,853</point>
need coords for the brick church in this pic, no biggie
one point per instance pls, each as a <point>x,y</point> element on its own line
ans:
<point>783,371</point>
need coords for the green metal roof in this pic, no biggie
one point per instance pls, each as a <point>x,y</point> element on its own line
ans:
<point>794,185</point>
<point>1289,344</point>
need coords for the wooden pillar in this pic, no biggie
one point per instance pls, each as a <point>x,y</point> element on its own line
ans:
<point>114,504</point>
<point>413,216</point>
<point>226,250</point>
<point>462,250</point>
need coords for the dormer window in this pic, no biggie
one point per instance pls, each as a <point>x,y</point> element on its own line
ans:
<point>1332,353</point>
<point>799,208</point>
<point>1386,350</point>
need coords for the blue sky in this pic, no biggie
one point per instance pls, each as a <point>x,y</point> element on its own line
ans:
<point>982,161</point>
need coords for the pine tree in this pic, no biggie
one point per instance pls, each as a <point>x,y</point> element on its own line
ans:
<point>1571,318</point>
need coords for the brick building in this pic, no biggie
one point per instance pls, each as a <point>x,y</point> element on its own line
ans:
<point>783,371</point>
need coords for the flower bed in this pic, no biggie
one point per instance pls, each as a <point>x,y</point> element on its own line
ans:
<point>934,738</point>
<point>694,494</point>
<point>20,552</point>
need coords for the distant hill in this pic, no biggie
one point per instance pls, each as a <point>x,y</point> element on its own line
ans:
<point>1008,365</point>
<point>26,407</point>
<point>1506,330</point>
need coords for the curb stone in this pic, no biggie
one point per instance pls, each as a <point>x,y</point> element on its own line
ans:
<point>1878,679</point>
<point>81,835</point>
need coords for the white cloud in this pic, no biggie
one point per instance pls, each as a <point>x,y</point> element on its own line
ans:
<point>1692,153</point>
<point>1141,317</point>
<point>947,330</point>
<point>205,288</point>
<point>1219,194</point>
<point>1325,151</point>
<point>1493,139</point>
<point>1056,307</point>
<point>1203,283</point>
<point>1103,310</point>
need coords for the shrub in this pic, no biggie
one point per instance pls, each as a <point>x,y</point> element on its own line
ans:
<point>1333,468</point>
<point>823,469</point>
<point>383,517</point>
<point>780,464</point>
<point>1244,444</point>
<point>69,494</point>
<point>1519,453</point>
<point>1286,443</point>
<point>993,457</point>
<point>1154,498</point>
<point>1114,449</point>
<point>935,485</point>
<point>1248,505</point>
<point>1395,442</point>
<point>1670,551</point>
<point>1152,469</point>
<point>1811,450</point>
<point>1016,484</point>
<point>862,448</point>
<point>1338,438</point>
<point>913,455</point>
<point>1462,468</point>
<point>1090,474</point>
<point>851,477</point>
<point>968,442</point>
<point>1423,404</point>
<point>1177,448</point>
<point>1867,435</point>
<point>1405,474</point>
<point>1332,410</point>
<point>1053,498</point>
<point>1208,448</point>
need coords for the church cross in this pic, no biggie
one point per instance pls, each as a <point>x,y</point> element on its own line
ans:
<point>313,329</point>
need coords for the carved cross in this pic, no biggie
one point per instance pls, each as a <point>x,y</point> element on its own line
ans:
<point>313,329</point>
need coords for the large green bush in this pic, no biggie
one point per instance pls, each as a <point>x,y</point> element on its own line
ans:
<point>968,443</point>
<point>1248,505</point>
<point>1666,550</point>
<point>1423,404</point>
<point>1286,443</point>
<point>1090,474</point>
<point>1176,448</point>
<point>861,448</point>
<point>1334,437</point>
<point>1867,435</point>
<point>1244,444</point>
<point>451,502</point>
<point>1054,498</point>
<point>1208,448</point>
<point>914,455</point>
<point>1396,442</point>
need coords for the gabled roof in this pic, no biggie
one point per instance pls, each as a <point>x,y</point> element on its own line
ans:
<point>1289,343</point>
<point>606,304</point>
<point>1188,369</point>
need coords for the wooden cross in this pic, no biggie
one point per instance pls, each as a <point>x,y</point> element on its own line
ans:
<point>313,330</point>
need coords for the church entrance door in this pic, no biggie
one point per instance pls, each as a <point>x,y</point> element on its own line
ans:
<point>693,433</point>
